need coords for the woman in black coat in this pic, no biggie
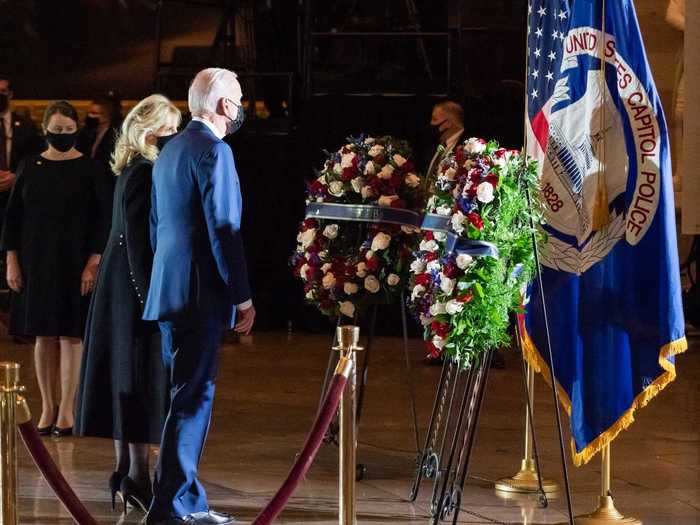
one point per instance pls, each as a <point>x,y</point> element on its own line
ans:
<point>122,393</point>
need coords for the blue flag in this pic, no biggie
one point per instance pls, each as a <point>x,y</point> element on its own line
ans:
<point>610,263</point>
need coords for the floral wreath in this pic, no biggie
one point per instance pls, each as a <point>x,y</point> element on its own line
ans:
<point>468,273</point>
<point>354,247</point>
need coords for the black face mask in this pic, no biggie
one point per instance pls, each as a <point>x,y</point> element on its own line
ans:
<point>162,141</point>
<point>234,125</point>
<point>61,141</point>
<point>435,131</point>
<point>91,122</point>
<point>4,102</point>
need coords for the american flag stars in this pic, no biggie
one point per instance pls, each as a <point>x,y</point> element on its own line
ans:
<point>547,28</point>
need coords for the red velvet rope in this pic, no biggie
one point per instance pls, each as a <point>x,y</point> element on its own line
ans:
<point>308,453</point>
<point>53,476</point>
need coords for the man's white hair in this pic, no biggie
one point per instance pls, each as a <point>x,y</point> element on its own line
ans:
<point>208,87</point>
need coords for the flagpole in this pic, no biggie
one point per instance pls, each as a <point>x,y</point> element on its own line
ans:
<point>540,286</point>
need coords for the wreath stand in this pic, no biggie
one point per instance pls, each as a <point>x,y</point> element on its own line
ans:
<point>332,435</point>
<point>446,454</point>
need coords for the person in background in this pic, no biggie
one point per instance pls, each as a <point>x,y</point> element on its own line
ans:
<point>447,128</point>
<point>53,236</point>
<point>199,286</point>
<point>98,136</point>
<point>122,394</point>
<point>19,138</point>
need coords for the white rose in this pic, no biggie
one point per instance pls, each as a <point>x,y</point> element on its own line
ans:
<point>372,284</point>
<point>399,160</point>
<point>447,285</point>
<point>347,308</point>
<point>418,290</point>
<point>303,270</point>
<point>393,279</point>
<point>454,307</point>
<point>386,172</point>
<point>412,180</point>
<point>434,266</point>
<point>336,188</point>
<point>387,200</point>
<point>449,174</point>
<point>322,180</point>
<point>439,342</point>
<point>381,241</point>
<point>346,160</point>
<point>361,270</point>
<point>376,150</point>
<point>437,309</point>
<point>369,168</point>
<point>418,266</point>
<point>444,210</point>
<point>357,184</point>
<point>330,231</point>
<point>440,236</point>
<point>328,281</point>
<point>337,168</point>
<point>428,246</point>
<point>367,192</point>
<point>307,237</point>
<point>464,260</point>
<point>350,288</point>
<point>326,267</point>
<point>431,203</point>
<point>310,295</point>
<point>458,222</point>
<point>484,192</point>
<point>323,255</point>
<point>475,146</point>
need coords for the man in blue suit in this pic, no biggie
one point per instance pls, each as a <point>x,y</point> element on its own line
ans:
<point>198,284</point>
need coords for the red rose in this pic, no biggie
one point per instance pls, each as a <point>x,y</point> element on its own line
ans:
<point>493,179</point>
<point>459,155</point>
<point>451,270</point>
<point>475,220</point>
<point>466,297</point>
<point>432,350</point>
<point>423,279</point>
<point>431,256</point>
<point>373,264</point>
<point>440,329</point>
<point>348,174</point>
<point>310,223</point>
<point>429,236</point>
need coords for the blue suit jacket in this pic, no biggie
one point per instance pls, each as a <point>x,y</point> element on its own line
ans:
<point>199,268</point>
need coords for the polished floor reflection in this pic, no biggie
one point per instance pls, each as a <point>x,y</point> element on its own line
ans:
<point>267,395</point>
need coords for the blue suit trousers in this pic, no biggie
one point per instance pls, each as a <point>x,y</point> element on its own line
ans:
<point>191,355</point>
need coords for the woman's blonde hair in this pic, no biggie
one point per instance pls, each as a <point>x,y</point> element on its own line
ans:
<point>148,116</point>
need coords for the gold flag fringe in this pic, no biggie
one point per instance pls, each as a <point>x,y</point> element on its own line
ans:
<point>535,360</point>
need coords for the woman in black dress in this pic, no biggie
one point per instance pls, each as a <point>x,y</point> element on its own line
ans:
<point>54,233</point>
<point>123,385</point>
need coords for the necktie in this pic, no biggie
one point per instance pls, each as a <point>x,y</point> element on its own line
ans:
<point>3,145</point>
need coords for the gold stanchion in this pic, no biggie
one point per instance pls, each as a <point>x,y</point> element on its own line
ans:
<point>9,389</point>
<point>526,480</point>
<point>606,513</point>
<point>348,339</point>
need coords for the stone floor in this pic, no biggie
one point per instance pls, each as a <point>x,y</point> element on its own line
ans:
<point>267,395</point>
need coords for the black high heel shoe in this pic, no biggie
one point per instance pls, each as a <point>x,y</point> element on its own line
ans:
<point>61,432</point>
<point>136,495</point>
<point>47,430</point>
<point>115,483</point>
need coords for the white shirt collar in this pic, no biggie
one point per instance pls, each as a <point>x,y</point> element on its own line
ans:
<point>211,126</point>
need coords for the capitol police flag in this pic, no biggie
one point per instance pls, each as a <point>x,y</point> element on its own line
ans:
<point>610,262</point>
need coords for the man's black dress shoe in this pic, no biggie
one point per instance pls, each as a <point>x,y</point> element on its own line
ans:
<point>211,517</point>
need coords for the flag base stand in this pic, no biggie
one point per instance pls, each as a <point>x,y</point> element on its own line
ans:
<point>526,481</point>
<point>606,514</point>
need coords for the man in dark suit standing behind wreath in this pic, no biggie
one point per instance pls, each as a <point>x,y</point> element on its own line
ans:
<point>199,285</point>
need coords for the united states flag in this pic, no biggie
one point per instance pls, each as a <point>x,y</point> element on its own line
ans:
<point>548,23</point>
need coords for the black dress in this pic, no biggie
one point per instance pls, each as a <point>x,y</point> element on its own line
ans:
<point>123,386</point>
<point>54,221</point>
